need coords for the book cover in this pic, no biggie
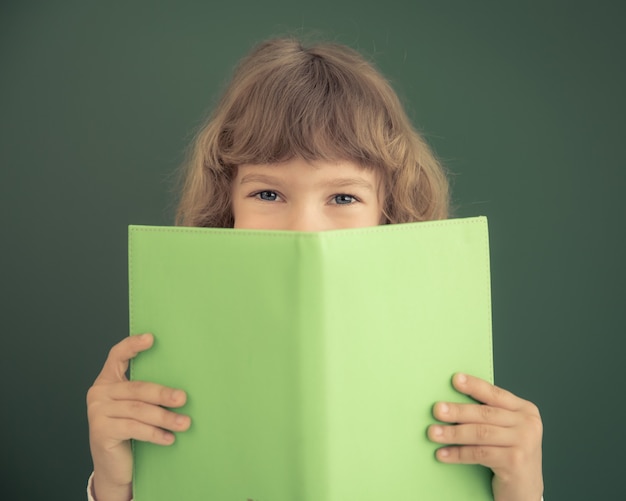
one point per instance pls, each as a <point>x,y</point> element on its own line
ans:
<point>311,360</point>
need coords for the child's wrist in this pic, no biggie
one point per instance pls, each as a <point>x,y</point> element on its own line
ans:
<point>103,490</point>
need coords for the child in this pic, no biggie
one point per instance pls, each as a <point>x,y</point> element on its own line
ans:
<point>310,139</point>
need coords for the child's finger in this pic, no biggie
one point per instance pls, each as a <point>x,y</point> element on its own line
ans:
<point>127,429</point>
<point>472,434</point>
<point>487,393</point>
<point>152,415</point>
<point>450,412</point>
<point>143,391</point>
<point>491,457</point>
<point>117,362</point>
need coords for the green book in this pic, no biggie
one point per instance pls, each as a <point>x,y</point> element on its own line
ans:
<point>311,360</point>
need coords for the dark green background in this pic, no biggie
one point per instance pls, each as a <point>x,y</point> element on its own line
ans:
<point>523,101</point>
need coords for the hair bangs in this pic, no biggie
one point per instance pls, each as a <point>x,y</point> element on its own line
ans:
<point>312,109</point>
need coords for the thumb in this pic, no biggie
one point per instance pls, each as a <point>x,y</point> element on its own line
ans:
<point>116,364</point>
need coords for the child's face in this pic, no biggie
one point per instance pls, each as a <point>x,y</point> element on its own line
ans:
<point>297,195</point>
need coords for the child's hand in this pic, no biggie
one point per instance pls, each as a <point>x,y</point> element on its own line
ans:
<point>120,410</point>
<point>503,433</point>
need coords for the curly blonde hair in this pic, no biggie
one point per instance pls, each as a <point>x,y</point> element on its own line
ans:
<point>323,102</point>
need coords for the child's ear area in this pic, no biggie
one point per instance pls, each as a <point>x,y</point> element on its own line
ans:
<point>234,172</point>
<point>232,219</point>
<point>382,188</point>
<point>231,194</point>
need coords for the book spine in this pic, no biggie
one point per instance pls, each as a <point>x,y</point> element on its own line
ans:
<point>312,407</point>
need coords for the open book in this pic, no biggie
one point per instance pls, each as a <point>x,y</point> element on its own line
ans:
<point>311,360</point>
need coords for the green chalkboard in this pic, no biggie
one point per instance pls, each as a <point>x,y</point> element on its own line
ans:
<point>524,103</point>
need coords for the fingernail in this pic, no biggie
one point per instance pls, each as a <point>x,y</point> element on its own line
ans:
<point>437,431</point>
<point>444,408</point>
<point>443,453</point>
<point>168,437</point>
<point>461,378</point>
<point>177,395</point>
<point>181,420</point>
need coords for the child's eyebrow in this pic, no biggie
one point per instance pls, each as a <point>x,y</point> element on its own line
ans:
<point>340,182</point>
<point>349,182</point>
<point>258,178</point>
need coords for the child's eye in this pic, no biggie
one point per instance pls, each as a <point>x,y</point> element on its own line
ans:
<point>344,199</point>
<point>267,195</point>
